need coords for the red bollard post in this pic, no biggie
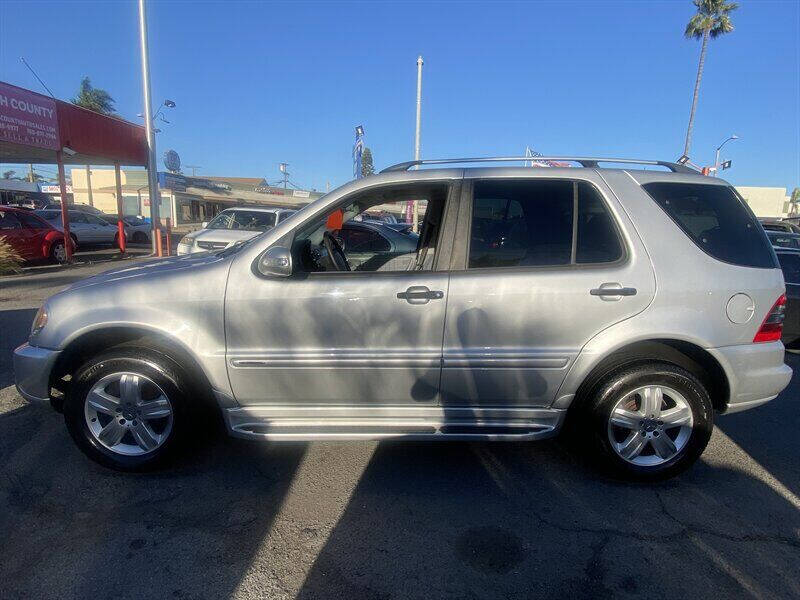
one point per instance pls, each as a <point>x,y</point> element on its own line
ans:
<point>159,249</point>
<point>169,238</point>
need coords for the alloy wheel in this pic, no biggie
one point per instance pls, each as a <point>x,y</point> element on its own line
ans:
<point>128,413</point>
<point>650,425</point>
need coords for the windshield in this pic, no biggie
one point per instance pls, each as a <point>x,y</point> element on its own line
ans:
<point>247,220</point>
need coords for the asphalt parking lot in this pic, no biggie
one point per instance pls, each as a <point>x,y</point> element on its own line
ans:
<point>389,519</point>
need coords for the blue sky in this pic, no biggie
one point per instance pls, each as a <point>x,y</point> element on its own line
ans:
<point>261,83</point>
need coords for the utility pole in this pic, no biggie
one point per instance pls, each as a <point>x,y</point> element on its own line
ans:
<point>194,168</point>
<point>89,185</point>
<point>415,226</point>
<point>30,173</point>
<point>283,170</point>
<point>152,177</point>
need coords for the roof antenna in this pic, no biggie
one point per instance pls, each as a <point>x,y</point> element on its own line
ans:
<point>25,62</point>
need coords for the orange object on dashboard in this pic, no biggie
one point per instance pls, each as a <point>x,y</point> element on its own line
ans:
<point>335,220</point>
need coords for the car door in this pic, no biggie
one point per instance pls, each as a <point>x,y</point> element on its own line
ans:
<point>359,338</point>
<point>14,234</point>
<point>543,264</point>
<point>103,230</point>
<point>80,228</point>
<point>35,231</point>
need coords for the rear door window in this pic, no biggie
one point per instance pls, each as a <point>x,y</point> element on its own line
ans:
<point>716,219</point>
<point>540,223</point>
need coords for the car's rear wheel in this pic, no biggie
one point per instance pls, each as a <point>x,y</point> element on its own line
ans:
<point>649,421</point>
<point>58,252</point>
<point>126,408</point>
<point>139,238</point>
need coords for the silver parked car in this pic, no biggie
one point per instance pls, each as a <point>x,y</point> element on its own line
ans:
<point>232,225</point>
<point>85,228</point>
<point>627,307</point>
<point>137,230</point>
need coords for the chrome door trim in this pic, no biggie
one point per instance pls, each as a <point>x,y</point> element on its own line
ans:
<point>337,358</point>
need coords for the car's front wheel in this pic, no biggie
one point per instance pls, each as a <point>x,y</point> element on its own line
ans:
<point>649,421</point>
<point>126,408</point>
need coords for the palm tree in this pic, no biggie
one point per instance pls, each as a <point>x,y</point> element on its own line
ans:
<point>94,98</point>
<point>710,21</point>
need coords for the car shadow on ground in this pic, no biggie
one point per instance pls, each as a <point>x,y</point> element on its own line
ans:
<point>14,328</point>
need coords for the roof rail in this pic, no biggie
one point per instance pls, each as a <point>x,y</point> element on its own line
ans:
<point>588,162</point>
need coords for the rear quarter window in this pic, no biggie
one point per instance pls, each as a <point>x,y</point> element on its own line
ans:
<point>717,220</point>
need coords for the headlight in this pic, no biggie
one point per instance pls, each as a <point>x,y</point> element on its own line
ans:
<point>39,321</point>
<point>186,242</point>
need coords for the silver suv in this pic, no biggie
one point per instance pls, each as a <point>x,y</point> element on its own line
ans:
<point>624,306</point>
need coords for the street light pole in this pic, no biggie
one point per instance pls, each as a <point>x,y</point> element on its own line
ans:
<point>152,177</point>
<point>716,156</point>
<point>415,226</point>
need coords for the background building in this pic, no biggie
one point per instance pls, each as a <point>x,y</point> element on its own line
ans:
<point>184,199</point>
<point>766,201</point>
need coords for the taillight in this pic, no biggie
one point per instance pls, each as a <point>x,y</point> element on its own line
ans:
<point>772,327</point>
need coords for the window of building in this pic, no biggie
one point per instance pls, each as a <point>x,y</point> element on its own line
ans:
<point>531,223</point>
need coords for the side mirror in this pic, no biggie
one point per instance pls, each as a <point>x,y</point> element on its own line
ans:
<point>204,224</point>
<point>276,262</point>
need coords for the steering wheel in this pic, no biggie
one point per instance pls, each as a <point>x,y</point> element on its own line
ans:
<point>335,252</point>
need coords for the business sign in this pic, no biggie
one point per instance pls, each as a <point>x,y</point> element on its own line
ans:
<point>171,181</point>
<point>172,161</point>
<point>55,189</point>
<point>300,194</point>
<point>27,118</point>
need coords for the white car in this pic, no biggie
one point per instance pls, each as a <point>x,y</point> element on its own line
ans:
<point>137,230</point>
<point>84,228</point>
<point>233,225</point>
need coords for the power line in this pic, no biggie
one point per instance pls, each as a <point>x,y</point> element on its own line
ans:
<point>22,58</point>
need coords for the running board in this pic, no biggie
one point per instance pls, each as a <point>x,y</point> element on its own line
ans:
<point>331,422</point>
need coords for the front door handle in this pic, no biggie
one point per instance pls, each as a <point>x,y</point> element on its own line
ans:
<point>612,291</point>
<point>419,294</point>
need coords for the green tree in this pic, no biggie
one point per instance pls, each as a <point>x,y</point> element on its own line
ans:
<point>9,174</point>
<point>367,167</point>
<point>94,98</point>
<point>711,20</point>
<point>794,202</point>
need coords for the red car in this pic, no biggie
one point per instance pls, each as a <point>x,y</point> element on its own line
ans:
<point>32,237</point>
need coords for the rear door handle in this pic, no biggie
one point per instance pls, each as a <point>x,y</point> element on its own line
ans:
<point>612,289</point>
<point>419,294</point>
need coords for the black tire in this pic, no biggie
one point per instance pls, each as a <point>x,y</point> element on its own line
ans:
<point>595,411</point>
<point>74,241</point>
<point>58,249</point>
<point>139,238</point>
<point>154,365</point>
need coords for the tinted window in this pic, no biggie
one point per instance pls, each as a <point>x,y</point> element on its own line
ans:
<point>785,240</point>
<point>790,265</point>
<point>8,220</point>
<point>531,223</point>
<point>716,219</point>
<point>49,215</point>
<point>598,240</point>
<point>30,221</point>
<point>521,223</point>
<point>356,239</point>
<point>77,217</point>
